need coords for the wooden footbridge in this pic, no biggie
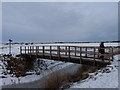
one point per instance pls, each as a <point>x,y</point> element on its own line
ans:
<point>75,54</point>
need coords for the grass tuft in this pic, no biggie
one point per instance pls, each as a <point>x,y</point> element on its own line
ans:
<point>55,80</point>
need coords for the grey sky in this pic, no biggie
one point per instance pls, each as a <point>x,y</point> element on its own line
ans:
<point>38,22</point>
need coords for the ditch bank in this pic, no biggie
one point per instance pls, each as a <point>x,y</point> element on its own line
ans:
<point>58,79</point>
<point>38,83</point>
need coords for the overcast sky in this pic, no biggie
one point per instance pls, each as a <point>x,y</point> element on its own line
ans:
<point>63,21</point>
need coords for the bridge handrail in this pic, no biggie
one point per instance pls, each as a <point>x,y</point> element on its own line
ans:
<point>68,50</point>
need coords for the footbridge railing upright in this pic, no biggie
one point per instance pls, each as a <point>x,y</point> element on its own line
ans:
<point>70,52</point>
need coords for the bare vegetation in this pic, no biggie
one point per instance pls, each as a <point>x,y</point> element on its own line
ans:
<point>16,66</point>
<point>60,80</point>
<point>55,80</point>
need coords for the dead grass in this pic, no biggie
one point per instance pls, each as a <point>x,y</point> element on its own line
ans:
<point>19,66</point>
<point>55,81</point>
<point>80,74</point>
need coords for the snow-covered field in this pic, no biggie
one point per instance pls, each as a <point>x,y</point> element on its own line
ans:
<point>100,80</point>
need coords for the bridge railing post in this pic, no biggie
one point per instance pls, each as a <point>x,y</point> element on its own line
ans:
<point>75,51</point>
<point>86,52</point>
<point>66,50</point>
<point>50,52</point>
<point>94,56</point>
<point>98,53</point>
<point>43,47</point>
<point>25,49</point>
<point>112,54</point>
<point>80,55</point>
<point>109,54</point>
<point>20,49</point>
<point>36,50</point>
<point>58,52</point>
<point>30,49</point>
<point>69,52</point>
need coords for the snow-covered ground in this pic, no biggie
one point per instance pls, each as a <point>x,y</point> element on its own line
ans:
<point>9,79</point>
<point>104,78</point>
<point>52,67</point>
<point>101,80</point>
